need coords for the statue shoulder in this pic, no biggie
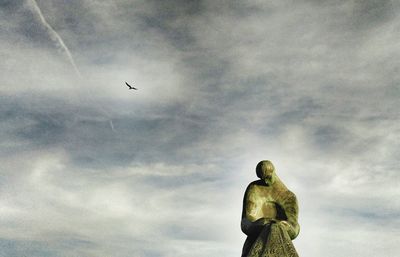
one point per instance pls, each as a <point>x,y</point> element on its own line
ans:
<point>253,185</point>
<point>290,195</point>
<point>289,201</point>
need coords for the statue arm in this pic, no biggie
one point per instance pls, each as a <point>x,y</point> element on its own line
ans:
<point>250,226</point>
<point>291,209</point>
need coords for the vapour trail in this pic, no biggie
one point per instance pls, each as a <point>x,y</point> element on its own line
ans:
<point>55,37</point>
<point>59,42</point>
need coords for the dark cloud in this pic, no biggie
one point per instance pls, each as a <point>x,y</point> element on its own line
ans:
<point>87,135</point>
<point>170,18</point>
<point>371,13</point>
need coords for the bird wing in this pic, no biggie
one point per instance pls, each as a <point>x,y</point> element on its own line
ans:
<point>130,87</point>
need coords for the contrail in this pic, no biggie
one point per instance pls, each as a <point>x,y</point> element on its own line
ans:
<point>55,37</point>
<point>112,125</point>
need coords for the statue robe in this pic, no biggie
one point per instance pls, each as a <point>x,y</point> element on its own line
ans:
<point>272,239</point>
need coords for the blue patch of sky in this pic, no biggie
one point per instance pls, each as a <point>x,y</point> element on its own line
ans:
<point>26,248</point>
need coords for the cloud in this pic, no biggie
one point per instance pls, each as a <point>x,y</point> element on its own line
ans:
<point>221,86</point>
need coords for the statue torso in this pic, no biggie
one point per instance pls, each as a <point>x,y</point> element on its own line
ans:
<point>260,203</point>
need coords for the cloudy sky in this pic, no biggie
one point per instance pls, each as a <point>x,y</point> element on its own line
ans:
<point>91,169</point>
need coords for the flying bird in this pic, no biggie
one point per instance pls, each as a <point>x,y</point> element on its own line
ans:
<point>130,87</point>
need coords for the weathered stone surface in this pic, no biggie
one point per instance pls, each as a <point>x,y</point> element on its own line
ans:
<point>269,216</point>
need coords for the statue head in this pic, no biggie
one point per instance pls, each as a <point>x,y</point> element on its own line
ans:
<point>266,171</point>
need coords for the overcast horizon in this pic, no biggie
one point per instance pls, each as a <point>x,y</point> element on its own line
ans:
<point>92,169</point>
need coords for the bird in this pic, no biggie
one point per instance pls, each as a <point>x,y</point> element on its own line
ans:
<point>130,87</point>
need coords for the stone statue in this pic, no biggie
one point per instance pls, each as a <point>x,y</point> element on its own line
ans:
<point>269,216</point>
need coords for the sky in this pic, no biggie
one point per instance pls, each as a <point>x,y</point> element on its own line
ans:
<point>89,168</point>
